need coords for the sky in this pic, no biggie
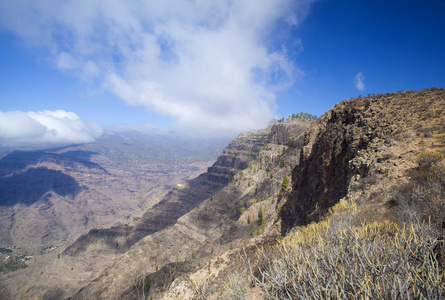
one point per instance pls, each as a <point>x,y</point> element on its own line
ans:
<point>71,70</point>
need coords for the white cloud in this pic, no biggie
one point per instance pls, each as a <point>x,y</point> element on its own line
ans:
<point>45,128</point>
<point>359,81</point>
<point>209,64</point>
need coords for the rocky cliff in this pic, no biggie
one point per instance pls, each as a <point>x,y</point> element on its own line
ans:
<point>360,140</point>
<point>194,221</point>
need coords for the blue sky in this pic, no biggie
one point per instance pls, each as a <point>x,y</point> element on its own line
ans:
<point>70,69</point>
<point>397,45</point>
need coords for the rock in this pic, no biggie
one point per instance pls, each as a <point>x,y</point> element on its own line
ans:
<point>333,146</point>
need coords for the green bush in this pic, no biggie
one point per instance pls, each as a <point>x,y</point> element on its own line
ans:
<point>5,250</point>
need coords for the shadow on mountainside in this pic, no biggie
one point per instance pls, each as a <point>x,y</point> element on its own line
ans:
<point>19,160</point>
<point>30,186</point>
<point>174,205</point>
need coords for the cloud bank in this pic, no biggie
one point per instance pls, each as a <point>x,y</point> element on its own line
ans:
<point>211,65</point>
<point>359,81</point>
<point>45,128</point>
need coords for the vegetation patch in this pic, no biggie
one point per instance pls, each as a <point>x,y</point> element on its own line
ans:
<point>5,250</point>
<point>12,265</point>
<point>338,259</point>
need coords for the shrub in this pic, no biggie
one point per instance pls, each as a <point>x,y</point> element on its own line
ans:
<point>424,199</point>
<point>5,250</point>
<point>147,283</point>
<point>427,159</point>
<point>440,137</point>
<point>376,260</point>
<point>237,287</point>
<point>13,265</point>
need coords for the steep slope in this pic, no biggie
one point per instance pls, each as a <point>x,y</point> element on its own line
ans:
<point>364,151</point>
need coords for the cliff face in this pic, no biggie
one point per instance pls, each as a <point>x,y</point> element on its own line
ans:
<point>364,149</point>
<point>352,140</point>
<point>287,133</point>
<point>237,155</point>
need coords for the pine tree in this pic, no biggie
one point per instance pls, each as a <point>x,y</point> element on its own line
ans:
<point>284,185</point>
<point>260,216</point>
